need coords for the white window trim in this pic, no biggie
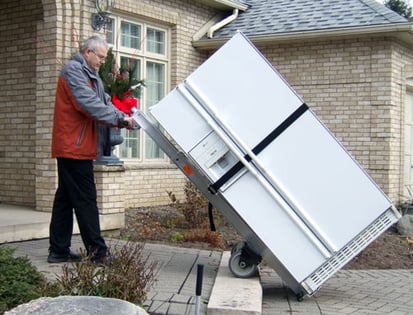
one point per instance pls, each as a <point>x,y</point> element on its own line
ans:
<point>144,57</point>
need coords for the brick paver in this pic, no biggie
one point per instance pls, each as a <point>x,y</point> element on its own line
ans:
<point>347,292</point>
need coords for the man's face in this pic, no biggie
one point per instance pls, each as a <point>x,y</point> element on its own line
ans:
<point>95,57</point>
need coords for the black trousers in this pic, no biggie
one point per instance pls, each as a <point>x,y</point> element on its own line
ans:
<point>76,190</point>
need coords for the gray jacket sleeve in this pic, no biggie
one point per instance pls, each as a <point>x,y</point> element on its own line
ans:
<point>85,91</point>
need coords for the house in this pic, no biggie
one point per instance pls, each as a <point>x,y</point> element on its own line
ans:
<point>351,61</point>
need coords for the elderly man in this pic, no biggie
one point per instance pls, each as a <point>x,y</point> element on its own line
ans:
<point>81,104</point>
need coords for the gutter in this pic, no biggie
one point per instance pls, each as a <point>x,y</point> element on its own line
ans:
<point>225,4</point>
<point>222,23</point>
<point>403,31</point>
<point>233,4</point>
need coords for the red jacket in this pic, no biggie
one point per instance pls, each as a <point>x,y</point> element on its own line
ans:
<point>80,103</point>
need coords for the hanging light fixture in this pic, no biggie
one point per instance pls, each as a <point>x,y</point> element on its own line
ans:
<point>101,19</point>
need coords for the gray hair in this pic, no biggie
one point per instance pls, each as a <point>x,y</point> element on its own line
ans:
<point>93,42</point>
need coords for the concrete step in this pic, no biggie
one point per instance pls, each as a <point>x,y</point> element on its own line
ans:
<point>22,223</point>
<point>231,295</point>
<point>19,223</point>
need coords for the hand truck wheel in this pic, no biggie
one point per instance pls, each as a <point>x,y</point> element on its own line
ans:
<point>241,267</point>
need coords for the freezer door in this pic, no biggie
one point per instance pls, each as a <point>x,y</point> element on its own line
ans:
<point>241,88</point>
<point>180,120</point>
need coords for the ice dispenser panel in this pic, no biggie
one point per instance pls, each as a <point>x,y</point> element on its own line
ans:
<point>213,156</point>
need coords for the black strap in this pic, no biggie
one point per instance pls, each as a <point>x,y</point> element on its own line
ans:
<point>258,148</point>
<point>211,217</point>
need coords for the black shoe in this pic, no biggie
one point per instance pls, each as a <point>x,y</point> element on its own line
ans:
<point>54,258</point>
<point>103,260</point>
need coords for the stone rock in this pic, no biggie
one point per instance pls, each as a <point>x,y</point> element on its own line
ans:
<point>405,225</point>
<point>77,305</point>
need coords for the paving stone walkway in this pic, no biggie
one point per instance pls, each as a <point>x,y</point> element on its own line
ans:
<point>347,292</point>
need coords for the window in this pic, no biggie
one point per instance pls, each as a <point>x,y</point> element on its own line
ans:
<point>109,32</point>
<point>146,45</point>
<point>130,35</point>
<point>156,41</point>
<point>155,87</point>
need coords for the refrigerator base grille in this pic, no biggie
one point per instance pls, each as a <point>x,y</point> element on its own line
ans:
<point>314,281</point>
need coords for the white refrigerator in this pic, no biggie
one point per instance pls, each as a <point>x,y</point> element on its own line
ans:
<point>300,200</point>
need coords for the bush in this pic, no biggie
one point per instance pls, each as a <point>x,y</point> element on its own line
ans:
<point>195,206</point>
<point>195,211</point>
<point>127,276</point>
<point>203,235</point>
<point>20,281</point>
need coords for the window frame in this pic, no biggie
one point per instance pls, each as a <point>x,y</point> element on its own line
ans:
<point>141,53</point>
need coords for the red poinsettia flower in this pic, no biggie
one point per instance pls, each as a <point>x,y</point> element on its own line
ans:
<point>126,104</point>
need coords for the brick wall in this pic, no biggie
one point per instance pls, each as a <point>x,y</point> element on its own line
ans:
<point>402,60</point>
<point>55,42</point>
<point>149,185</point>
<point>18,103</point>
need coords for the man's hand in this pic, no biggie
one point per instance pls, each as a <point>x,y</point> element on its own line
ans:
<point>128,123</point>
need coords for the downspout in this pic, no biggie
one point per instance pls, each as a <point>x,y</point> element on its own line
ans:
<point>222,23</point>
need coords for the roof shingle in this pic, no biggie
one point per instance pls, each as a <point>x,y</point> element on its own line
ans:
<point>266,17</point>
